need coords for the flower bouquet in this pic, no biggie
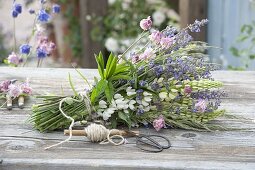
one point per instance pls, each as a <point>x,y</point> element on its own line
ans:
<point>166,83</point>
<point>10,90</point>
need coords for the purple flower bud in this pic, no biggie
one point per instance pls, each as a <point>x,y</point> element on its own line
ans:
<point>146,24</point>
<point>56,8</point>
<point>142,83</point>
<point>25,49</point>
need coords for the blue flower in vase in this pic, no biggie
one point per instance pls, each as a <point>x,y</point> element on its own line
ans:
<point>56,8</point>
<point>24,49</point>
<point>41,53</point>
<point>43,16</point>
<point>16,10</point>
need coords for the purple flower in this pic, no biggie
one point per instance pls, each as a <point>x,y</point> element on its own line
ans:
<point>200,106</point>
<point>139,112</point>
<point>146,24</point>
<point>25,49</point>
<point>56,8</point>
<point>15,14</point>
<point>159,123</point>
<point>156,37</point>
<point>4,85</point>
<point>142,83</point>
<point>13,59</point>
<point>166,42</point>
<point>14,91</point>
<point>43,16</point>
<point>41,52</point>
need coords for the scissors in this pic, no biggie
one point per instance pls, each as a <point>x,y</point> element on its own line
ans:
<point>149,143</point>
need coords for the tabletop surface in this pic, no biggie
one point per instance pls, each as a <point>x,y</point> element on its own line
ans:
<point>23,148</point>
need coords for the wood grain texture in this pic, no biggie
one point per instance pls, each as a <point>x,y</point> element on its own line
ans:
<point>23,148</point>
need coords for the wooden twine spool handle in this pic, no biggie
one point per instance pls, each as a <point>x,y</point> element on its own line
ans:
<point>8,102</point>
<point>113,132</point>
<point>21,102</point>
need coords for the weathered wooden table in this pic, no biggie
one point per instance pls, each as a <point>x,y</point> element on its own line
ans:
<point>21,148</point>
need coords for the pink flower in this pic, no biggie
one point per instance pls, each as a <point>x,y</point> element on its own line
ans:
<point>201,105</point>
<point>148,53</point>
<point>13,59</point>
<point>166,42</point>
<point>156,37</point>
<point>187,90</point>
<point>14,91</point>
<point>146,24</point>
<point>4,85</point>
<point>159,123</point>
<point>26,89</point>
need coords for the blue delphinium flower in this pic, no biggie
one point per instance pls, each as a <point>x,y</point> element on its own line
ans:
<point>31,11</point>
<point>41,53</point>
<point>43,16</point>
<point>142,83</point>
<point>25,49</point>
<point>16,10</point>
<point>56,8</point>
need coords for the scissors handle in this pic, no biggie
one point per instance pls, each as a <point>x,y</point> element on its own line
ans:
<point>152,143</point>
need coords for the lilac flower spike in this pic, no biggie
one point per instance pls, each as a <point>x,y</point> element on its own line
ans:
<point>201,105</point>
<point>146,24</point>
<point>166,42</point>
<point>195,27</point>
<point>159,123</point>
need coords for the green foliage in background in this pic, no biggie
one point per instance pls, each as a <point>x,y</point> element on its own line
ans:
<point>120,22</point>
<point>74,37</point>
<point>246,53</point>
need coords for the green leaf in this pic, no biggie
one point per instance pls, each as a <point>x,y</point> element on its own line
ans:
<point>117,77</point>
<point>125,117</point>
<point>234,51</point>
<point>108,65</point>
<point>252,56</point>
<point>112,67</point>
<point>109,91</point>
<point>71,84</point>
<point>120,68</point>
<point>98,90</point>
<point>100,64</point>
<point>242,38</point>
<point>83,77</point>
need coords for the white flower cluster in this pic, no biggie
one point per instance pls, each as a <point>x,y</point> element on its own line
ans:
<point>118,103</point>
<point>145,102</point>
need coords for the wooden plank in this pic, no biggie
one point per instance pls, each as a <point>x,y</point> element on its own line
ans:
<point>21,148</point>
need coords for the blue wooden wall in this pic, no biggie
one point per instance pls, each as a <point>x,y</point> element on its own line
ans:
<point>225,20</point>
